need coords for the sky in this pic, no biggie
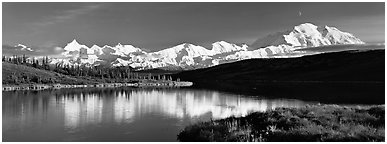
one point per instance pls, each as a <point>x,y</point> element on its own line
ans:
<point>155,26</point>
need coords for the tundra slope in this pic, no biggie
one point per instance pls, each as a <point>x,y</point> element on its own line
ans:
<point>351,66</point>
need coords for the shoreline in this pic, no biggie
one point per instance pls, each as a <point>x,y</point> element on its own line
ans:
<point>312,123</point>
<point>100,85</point>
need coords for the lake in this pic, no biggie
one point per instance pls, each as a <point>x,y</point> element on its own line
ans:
<point>121,114</point>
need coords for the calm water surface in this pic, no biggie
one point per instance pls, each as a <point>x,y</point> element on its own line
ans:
<point>120,114</point>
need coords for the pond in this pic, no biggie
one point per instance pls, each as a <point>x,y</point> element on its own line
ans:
<point>121,114</point>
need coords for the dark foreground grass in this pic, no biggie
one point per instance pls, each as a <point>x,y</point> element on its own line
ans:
<point>310,123</point>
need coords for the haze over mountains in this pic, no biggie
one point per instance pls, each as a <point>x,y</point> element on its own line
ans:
<point>185,56</point>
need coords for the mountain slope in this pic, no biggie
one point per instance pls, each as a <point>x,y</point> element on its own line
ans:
<point>348,77</point>
<point>336,66</point>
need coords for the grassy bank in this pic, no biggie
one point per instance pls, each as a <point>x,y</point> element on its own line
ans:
<point>311,123</point>
<point>22,77</point>
<point>13,74</point>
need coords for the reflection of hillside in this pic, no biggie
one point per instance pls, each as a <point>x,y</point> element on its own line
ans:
<point>195,104</point>
<point>20,107</point>
<point>82,108</point>
<point>127,106</point>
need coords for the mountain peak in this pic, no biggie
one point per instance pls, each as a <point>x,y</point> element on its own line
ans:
<point>307,35</point>
<point>74,46</point>
<point>306,28</point>
<point>95,47</point>
<point>222,42</point>
<point>186,45</point>
<point>183,45</point>
<point>225,47</point>
<point>74,42</point>
<point>306,25</point>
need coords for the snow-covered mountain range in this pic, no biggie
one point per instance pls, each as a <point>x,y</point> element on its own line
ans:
<point>189,56</point>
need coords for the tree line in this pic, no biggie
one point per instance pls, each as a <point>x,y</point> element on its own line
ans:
<point>102,72</point>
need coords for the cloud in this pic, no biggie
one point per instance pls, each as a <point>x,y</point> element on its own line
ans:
<point>68,15</point>
<point>38,51</point>
<point>12,50</point>
<point>23,47</point>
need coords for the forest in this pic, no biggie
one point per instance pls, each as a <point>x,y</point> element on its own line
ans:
<point>97,74</point>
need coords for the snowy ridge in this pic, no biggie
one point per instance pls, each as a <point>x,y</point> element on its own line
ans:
<point>189,56</point>
<point>225,47</point>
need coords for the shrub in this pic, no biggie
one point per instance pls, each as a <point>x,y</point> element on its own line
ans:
<point>313,123</point>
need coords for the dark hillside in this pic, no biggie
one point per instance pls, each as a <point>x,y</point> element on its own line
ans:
<point>339,66</point>
<point>158,71</point>
<point>350,77</point>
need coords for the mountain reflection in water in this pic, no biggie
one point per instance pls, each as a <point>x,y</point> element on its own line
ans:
<point>74,111</point>
<point>125,106</point>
